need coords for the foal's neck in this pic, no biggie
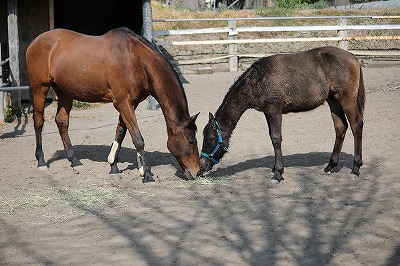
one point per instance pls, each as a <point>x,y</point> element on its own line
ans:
<point>230,111</point>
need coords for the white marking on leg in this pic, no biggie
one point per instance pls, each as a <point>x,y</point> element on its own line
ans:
<point>141,171</point>
<point>140,164</point>
<point>113,151</point>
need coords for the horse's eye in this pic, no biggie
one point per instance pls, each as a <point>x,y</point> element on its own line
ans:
<point>191,142</point>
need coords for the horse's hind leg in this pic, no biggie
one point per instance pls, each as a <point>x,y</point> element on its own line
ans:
<point>340,124</point>
<point>62,120</point>
<point>39,99</point>
<point>127,113</point>
<point>116,146</point>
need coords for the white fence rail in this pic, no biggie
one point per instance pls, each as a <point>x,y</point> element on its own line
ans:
<point>232,30</point>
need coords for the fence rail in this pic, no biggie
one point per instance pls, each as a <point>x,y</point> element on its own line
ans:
<point>232,30</point>
<point>4,62</point>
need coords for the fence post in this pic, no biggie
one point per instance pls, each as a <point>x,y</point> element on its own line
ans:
<point>13,40</point>
<point>1,92</point>
<point>147,33</point>
<point>343,33</point>
<point>232,47</point>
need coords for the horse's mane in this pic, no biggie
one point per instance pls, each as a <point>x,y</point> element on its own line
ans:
<point>155,48</point>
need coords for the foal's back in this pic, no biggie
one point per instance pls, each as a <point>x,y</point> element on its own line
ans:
<point>302,81</point>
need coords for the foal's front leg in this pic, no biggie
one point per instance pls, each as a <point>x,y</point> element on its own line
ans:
<point>274,119</point>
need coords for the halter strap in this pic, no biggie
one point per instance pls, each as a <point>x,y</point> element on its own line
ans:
<point>216,149</point>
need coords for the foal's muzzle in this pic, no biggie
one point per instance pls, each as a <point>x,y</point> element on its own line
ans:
<point>205,164</point>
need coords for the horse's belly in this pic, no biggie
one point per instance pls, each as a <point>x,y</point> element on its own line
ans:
<point>83,80</point>
<point>85,90</point>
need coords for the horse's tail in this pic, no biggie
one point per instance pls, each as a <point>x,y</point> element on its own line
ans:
<point>361,95</point>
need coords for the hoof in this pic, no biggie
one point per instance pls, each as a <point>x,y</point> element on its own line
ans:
<point>328,172</point>
<point>78,169</point>
<point>277,178</point>
<point>43,168</point>
<point>274,181</point>
<point>148,177</point>
<point>356,173</point>
<point>148,180</point>
<point>114,169</point>
<point>329,169</point>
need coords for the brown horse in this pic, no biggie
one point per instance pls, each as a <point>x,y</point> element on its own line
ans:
<point>296,82</point>
<point>118,67</point>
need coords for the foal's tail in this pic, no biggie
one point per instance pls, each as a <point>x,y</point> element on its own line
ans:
<point>361,95</point>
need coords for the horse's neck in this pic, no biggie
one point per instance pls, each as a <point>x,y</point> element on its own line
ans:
<point>172,99</point>
<point>230,111</point>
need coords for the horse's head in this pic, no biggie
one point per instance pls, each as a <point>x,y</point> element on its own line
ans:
<point>213,148</point>
<point>182,144</point>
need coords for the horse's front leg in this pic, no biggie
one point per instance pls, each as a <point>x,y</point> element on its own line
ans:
<point>274,119</point>
<point>62,121</point>
<point>127,113</point>
<point>112,158</point>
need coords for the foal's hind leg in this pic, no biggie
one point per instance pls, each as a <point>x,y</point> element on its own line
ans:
<point>127,113</point>
<point>340,124</point>
<point>62,120</point>
<point>356,124</point>
<point>116,146</point>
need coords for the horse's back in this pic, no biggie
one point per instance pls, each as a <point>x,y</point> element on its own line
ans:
<point>82,66</point>
<point>53,47</point>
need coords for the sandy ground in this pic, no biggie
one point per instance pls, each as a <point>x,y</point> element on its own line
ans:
<point>234,216</point>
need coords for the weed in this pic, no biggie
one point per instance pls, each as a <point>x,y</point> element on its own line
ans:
<point>12,112</point>
<point>80,105</point>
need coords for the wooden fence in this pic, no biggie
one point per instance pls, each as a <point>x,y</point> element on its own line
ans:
<point>232,31</point>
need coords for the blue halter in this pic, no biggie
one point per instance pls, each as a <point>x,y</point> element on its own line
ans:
<point>219,145</point>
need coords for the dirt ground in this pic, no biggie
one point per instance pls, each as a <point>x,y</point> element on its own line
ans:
<point>233,216</point>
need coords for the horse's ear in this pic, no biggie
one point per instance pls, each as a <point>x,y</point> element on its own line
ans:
<point>210,116</point>
<point>193,118</point>
<point>192,121</point>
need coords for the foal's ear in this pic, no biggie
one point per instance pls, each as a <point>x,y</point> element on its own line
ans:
<point>210,116</point>
<point>211,120</point>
